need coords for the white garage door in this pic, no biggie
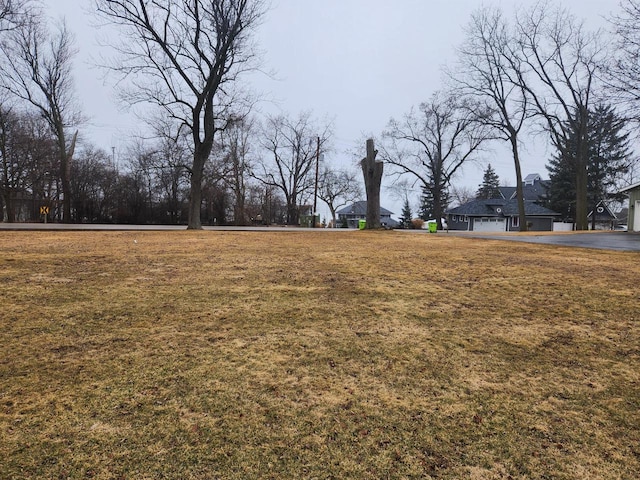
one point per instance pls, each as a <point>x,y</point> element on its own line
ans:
<point>489,225</point>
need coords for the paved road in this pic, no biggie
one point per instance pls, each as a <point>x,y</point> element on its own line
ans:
<point>149,228</point>
<point>624,241</point>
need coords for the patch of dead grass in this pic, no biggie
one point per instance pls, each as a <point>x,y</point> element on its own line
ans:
<point>199,355</point>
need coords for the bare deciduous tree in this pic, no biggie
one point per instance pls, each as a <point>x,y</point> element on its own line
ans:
<point>461,195</point>
<point>563,62</point>
<point>27,157</point>
<point>433,142</point>
<point>235,164</point>
<point>13,13</point>
<point>185,57</point>
<point>37,68</point>
<point>372,171</point>
<point>490,71</point>
<point>337,189</point>
<point>13,162</point>
<point>623,72</point>
<point>292,145</point>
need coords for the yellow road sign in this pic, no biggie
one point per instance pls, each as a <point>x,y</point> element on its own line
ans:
<point>44,210</point>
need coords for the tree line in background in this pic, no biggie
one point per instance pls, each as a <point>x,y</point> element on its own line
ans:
<point>542,73</point>
<point>211,160</point>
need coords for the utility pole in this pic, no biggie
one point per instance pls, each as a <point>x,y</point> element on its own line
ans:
<point>315,192</point>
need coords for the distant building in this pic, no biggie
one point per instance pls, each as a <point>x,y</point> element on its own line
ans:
<point>605,219</point>
<point>633,220</point>
<point>534,189</point>
<point>352,214</point>
<point>501,214</point>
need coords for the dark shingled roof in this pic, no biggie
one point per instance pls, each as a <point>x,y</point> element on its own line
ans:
<point>360,208</point>
<point>499,208</point>
<point>530,192</point>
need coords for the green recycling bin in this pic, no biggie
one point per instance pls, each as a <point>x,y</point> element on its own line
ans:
<point>433,227</point>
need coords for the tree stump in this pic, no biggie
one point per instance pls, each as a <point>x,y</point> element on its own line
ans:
<point>372,171</point>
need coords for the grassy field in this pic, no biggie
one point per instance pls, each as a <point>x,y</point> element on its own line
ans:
<point>366,355</point>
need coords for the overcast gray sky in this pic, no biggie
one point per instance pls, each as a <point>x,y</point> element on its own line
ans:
<point>357,62</point>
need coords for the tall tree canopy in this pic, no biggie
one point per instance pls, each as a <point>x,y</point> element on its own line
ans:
<point>623,71</point>
<point>490,70</point>
<point>490,186</point>
<point>562,61</point>
<point>37,68</point>
<point>608,158</point>
<point>293,145</point>
<point>432,144</point>
<point>185,56</point>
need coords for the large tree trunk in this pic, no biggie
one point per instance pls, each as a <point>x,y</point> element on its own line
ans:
<point>293,213</point>
<point>582,222</point>
<point>66,188</point>
<point>66,156</point>
<point>437,205</point>
<point>522,214</point>
<point>333,216</point>
<point>372,172</point>
<point>238,211</point>
<point>8,204</point>
<point>582,156</point>
<point>195,197</point>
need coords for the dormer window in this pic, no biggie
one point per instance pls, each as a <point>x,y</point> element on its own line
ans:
<point>532,178</point>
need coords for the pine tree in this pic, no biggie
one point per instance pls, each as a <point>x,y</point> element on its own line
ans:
<point>407,215</point>
<point>425,211</point>
<point>608,159</point>
<point>490,186</point>
<point>609,154</point>
<point>427,203</point>
<point>561,190</point>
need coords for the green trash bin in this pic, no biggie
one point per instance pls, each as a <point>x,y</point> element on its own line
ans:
<point>433,227</point>
<point>362,224</point>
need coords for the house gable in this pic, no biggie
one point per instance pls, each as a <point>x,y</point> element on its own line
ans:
<point>500,214</point>
<point>351,214</point>
<point>633,217</point>
<point>603,213</point>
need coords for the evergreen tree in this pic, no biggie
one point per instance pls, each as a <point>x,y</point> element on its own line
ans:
<point>427,203</point>
<point>490,186</point>
<point>561,190</point>
<point>608,159</point>
<point>609,154</point>
<point>407,215</point>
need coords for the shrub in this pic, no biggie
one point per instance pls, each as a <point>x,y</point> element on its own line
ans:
<point>417,223</point>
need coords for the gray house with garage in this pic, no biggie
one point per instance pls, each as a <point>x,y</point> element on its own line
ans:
<point>499,215</point>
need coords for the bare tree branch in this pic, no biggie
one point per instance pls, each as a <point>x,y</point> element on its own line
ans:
<point>491,71</point>
<point>37,68</point>
<point>433,143</point>
<point>185,56</point>
<point>563,62</point>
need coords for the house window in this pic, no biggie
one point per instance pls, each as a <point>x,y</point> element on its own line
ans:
<point>466,219</point>
<point>454,218</point>
<point>516,221</point>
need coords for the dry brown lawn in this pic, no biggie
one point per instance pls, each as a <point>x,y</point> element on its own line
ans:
<point>315,355</point>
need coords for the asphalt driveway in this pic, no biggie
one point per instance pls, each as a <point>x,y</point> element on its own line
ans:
<point>624,241</point>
